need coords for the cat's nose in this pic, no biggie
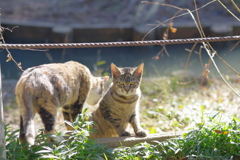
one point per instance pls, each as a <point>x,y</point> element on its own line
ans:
<point>127,89</point>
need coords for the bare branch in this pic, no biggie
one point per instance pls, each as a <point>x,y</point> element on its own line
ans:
<point>9,56</point>
<point>229,10</point>
<point>235,46</point>
<point>211,54</point>
<point>189,55</point>
<point>234,4</point>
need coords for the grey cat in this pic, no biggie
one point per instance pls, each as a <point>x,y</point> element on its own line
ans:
<point>120,105</point>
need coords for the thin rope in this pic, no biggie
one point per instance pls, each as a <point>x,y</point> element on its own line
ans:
<point>118,44</point>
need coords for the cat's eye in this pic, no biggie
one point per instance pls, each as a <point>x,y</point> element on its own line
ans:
<point>121,83</point>
<point>132,83</point>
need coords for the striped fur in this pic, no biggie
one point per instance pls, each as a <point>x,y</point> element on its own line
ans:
<point>45,88</point>
<point>119,106</point>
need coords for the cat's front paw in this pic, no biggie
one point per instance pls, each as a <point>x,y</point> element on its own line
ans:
<point>141,133</point>
<point>125,134</point>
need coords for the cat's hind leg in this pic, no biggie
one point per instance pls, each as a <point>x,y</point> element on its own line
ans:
<point>27,131</point>
<point>27,127</point>
<point>48,114</point>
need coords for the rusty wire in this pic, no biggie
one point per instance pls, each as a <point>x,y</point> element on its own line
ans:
<point>118,44</point>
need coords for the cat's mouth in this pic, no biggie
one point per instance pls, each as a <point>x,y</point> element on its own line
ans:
<point>127,92</point>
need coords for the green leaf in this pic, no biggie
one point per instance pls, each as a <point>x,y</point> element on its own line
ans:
<point>49,156</point>
<point>101,63</point>
<point>43,151</point>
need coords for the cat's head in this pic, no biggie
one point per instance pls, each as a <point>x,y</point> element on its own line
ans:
<point>97,90</point>
<point>126,81</point>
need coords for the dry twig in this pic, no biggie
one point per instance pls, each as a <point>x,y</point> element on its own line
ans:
<point>229,10</point>
<point>206,45</point>
<point>9,56</point>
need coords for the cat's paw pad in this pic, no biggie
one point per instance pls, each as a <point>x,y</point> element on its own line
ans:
<point>125,134</point>
<point>141,133</point>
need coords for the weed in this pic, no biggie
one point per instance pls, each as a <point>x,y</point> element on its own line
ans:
<point>212,139</point>
<point>77,145</point>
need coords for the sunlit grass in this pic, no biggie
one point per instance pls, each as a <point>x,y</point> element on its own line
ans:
<point>209,113</point>
<point>211,139</point>
<point>167,105</point>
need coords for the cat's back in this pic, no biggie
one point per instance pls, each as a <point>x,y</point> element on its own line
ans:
<point>70,70</point>
<point>54,75</point>
<point>68,67</point>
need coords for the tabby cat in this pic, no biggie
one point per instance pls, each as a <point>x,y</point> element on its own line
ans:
<point>120,105</point>
<point>45,88</point>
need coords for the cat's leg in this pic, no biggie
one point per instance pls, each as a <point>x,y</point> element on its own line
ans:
<point>22,136</point>
<point>27,127</point>
<point>48,114</point>
<point>76,109</point>
<point>71,112</point>
<point>135,122</point>
<point>119,126</point>
<point>27,112</point>
<point>121,130</point>
<point>67,117</point>
<point>113,120</point>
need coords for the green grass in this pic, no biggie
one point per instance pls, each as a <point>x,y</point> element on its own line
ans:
<point>77,146</point>
<point>168,106</point>
<point>212,139</point>
<point>208,113</point>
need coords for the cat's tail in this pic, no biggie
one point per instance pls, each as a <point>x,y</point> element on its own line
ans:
<point>27,127</point>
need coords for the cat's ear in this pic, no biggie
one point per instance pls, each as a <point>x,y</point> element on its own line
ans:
<point>115,70</point>
<point>105,78</point>
<point>139,70</point>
